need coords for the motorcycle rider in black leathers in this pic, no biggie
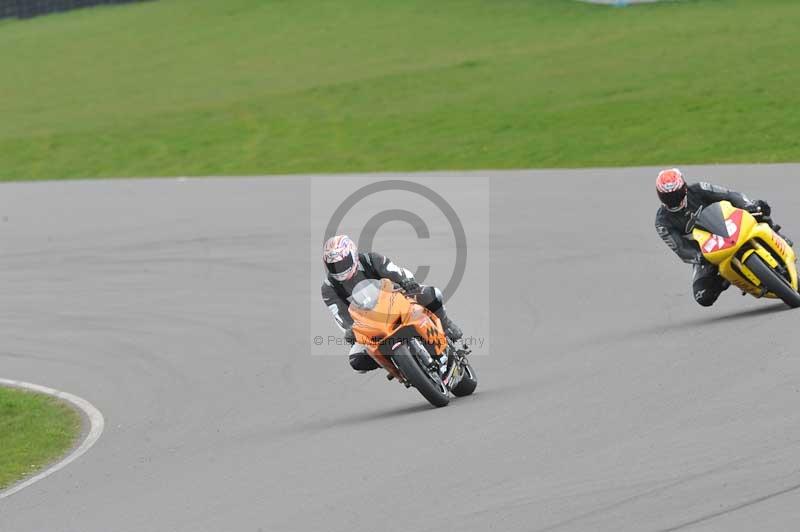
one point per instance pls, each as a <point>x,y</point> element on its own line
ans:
<point>679,202</point>
<point>346,268</point>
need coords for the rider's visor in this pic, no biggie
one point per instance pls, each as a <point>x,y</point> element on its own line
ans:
<point>678,207</point>
<point>340,266</point>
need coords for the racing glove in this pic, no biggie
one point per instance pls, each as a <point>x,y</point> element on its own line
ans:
<point>349,336</point>
<point>409,286</point>
<point>759,206</point>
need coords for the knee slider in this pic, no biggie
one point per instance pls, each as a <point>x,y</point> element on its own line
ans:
<point>706,291</point>
<point>362,362</point>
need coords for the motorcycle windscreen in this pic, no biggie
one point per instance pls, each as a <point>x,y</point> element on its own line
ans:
<point>712,219</point>
<point>366,294</point>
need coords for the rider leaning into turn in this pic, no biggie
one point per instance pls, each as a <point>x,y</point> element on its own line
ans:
<point>346,268</point>
<point>679,201</point>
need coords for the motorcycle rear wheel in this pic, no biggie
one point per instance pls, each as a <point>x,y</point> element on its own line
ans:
<point>420,378</point>
<point>773,281</point>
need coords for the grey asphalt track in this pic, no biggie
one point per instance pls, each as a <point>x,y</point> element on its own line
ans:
<point>610,400</point>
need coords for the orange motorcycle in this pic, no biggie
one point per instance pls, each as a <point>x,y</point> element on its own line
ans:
<point>409,342</point>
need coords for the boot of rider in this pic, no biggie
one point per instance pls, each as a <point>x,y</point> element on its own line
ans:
<point>451,330</point>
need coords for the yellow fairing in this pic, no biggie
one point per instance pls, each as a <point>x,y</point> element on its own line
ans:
<point>759,237</point>
<point>747,224</point>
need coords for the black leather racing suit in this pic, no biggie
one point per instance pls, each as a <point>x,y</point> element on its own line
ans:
<point>372,265</point>
<point>707,284</point>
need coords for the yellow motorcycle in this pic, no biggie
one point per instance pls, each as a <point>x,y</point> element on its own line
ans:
<point>749,253</point>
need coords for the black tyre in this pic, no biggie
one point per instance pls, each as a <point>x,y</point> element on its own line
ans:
<point>773,281</point>
<point>467,384</point>
<point>428,383</point>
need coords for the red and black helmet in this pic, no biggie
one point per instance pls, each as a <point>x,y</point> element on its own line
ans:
<point>671,188</point>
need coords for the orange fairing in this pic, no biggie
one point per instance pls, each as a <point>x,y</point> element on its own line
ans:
<point>428,326</point>
<point>391,312</point>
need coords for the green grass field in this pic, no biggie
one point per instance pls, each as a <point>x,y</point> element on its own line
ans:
<point>34,430</point>
<point>206,87</point>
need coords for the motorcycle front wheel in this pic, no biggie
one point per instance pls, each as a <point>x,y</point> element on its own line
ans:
<point>773,281</point>
<point>427,382</point>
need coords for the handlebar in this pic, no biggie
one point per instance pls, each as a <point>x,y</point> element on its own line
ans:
<point>763,217</point>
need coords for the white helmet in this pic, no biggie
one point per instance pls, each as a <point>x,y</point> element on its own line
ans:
<point>340,256</point>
